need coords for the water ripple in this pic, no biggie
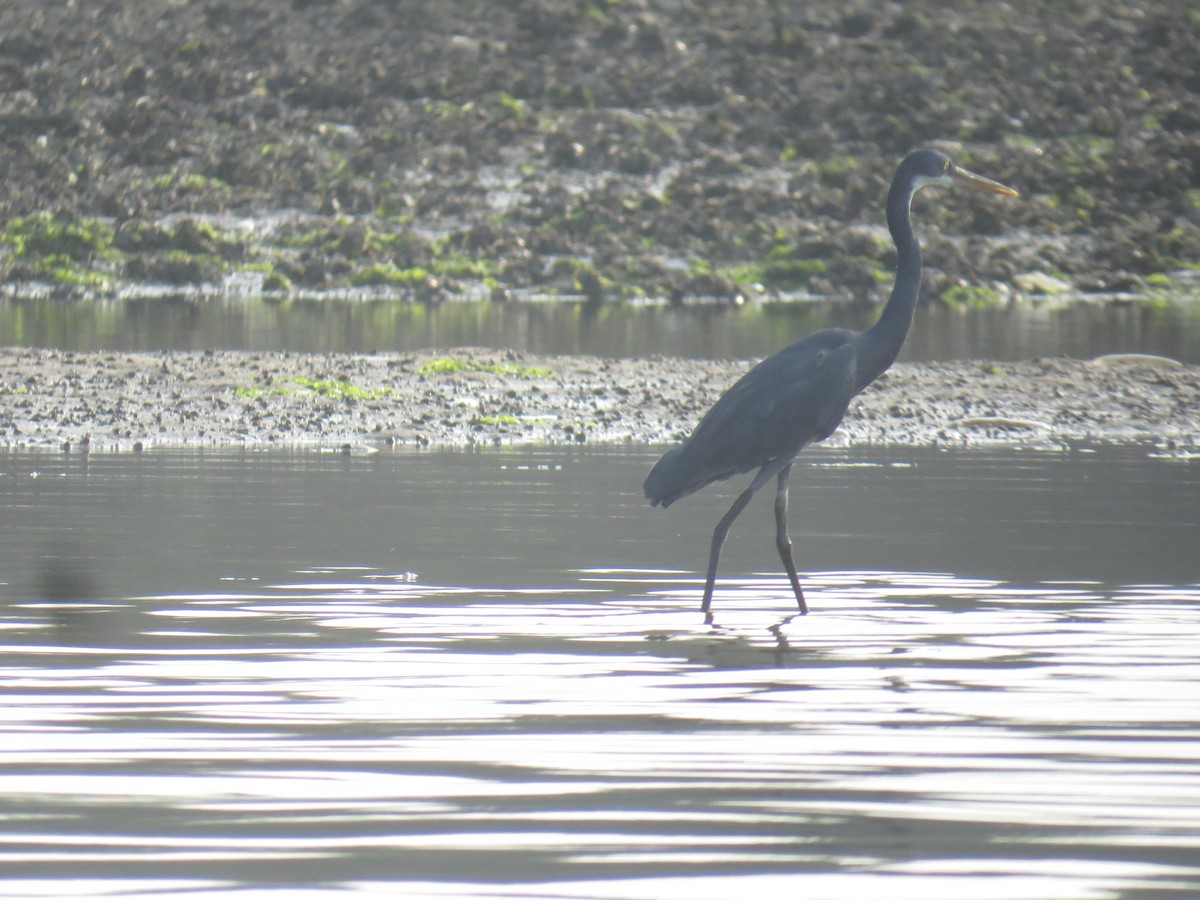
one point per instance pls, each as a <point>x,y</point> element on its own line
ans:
<point>366,728</point>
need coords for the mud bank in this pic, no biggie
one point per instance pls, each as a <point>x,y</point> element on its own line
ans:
<point>469,397</point>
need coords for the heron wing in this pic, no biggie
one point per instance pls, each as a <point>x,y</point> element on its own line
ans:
<point>786,402</point>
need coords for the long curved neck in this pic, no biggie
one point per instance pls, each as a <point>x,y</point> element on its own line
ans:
<point>882,341</point>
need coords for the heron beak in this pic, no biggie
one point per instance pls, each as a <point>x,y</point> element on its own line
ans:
<point>979,183</point>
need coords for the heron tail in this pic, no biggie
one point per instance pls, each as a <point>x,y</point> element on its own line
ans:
<point>668,480</point>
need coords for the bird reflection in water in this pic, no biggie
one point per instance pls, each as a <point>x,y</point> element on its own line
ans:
<point>68,589</point>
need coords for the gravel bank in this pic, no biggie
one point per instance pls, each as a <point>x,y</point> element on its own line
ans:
<point>470,397</point>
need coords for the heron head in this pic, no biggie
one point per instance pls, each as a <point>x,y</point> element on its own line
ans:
<point>927,166</point>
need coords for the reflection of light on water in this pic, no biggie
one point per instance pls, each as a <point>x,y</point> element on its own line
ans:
<point>248,702</point>
<point>915,732</point>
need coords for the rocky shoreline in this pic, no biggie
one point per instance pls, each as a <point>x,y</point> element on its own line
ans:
<point>469,397</point>
<point>610,150</point>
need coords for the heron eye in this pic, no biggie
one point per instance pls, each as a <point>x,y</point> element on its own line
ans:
<point>946,167</point>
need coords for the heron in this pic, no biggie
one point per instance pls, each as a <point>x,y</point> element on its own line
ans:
<point>799,395</point>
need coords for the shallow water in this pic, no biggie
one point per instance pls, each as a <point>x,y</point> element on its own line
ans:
<point>1080,330</point>
<point>484,675</point>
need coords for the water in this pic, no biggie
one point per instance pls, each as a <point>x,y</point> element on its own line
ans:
<point>484,675</point>
<point>1081,330</point>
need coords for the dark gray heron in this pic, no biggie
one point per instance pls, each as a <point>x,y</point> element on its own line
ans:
<point>800,394</point>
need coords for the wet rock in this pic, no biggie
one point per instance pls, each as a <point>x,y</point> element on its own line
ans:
<point>1040,283</point>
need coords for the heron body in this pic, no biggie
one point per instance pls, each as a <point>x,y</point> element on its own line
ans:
<point>799,395</point>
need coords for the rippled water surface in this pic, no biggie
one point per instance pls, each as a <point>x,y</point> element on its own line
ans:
<point>485,675</point>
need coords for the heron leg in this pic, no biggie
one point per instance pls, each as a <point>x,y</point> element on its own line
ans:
<point>718,539</point>
<point>782,541</point>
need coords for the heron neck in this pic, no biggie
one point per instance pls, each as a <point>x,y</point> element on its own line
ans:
<point>883,340</point>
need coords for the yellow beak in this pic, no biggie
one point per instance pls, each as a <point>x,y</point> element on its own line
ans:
<point>979,183</point>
